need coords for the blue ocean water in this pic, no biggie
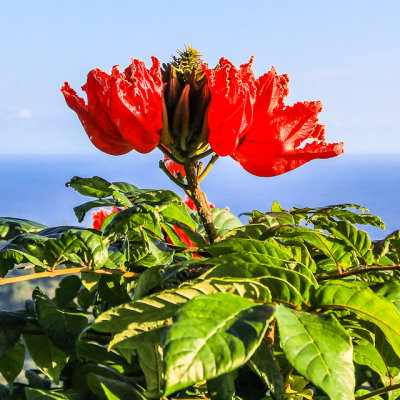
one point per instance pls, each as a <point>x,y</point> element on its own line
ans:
<point>33,187</point>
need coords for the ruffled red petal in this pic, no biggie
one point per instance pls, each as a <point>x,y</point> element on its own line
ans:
<point>231,107</point>
<point>136,104</point>
<point>272,145</point>
<point>94,117</point>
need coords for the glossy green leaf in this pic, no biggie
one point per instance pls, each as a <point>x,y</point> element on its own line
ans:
<point>367,305</point>
<point>81,210</point>
<point>11,227</point>
<point>92,187</point>
<point>335,249</point>
<point>156,311</point>
<point>224,221</point>
<point>46,355</point>
<point>11,363</point>
<point>11,326</point>
<point>286,285</point>
<point>139,216</point>
<point>174,212</point>
<point>248,247</point>
<point>212,335</point>
<point>365,353</point>
<point>319,348</point>
<point>149,279</point>
<point>61,327</point>
<point>357,240</point>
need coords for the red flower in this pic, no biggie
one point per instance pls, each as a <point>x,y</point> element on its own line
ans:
<point>271,143</point>
<point>100,215</point>
<point>174,167</point>
<point>231,106</point>
<point>124,110</point>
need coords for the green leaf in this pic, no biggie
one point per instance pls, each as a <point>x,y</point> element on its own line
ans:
<point>39,394</point>
<point>286,285</point>
<point>63,328</point>
<point>11,227</point>
<point>67,290</point>
<point>177,212</point>
<point>264,365</point>
<point>47,357</point>
<point>356,239</point>
<point>212,335</point>
<point>319,348</point>
<point>111,389</point>
<point>247,247</point>
<point>11,326</point>
<point>367,305</point>
<point>335,249</point>
<point>365,353</point>
<point>36,381</point>
<point>81,210</point>
<point>222,387</point>
<point>150,361</point>
<point>11,363</point>
<point>138,216</point>
<point>224,221</point>
<point>155,311</point>
<point>148,280</point>
<point>92,187</point>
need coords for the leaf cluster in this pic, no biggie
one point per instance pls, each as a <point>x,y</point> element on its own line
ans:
<point>297,304</point>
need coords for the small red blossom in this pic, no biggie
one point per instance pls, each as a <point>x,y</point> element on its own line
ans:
<point>100,215</point>
<point>124,110</point>
<point>231,108</point>
<point>174,167</point>
<point>190,203</point>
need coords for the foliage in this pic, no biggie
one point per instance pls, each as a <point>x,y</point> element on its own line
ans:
<point>297,304</point>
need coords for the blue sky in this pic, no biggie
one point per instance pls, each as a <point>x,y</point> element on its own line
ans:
<point>343,52</point>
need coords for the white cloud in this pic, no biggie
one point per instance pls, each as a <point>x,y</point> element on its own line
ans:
<point>20,115</point>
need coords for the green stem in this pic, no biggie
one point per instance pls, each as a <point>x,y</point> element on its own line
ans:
<point>200,199</point>
<point>378,392</point>
<point>172,176</point>
<point>203,154</point>
<point>169,154</point>
<point>204,173</point>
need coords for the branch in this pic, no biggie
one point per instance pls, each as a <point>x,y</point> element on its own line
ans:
<point>52,274</point>
<point>378,391</point>
<point>356,271</point>
<point>172,176</point>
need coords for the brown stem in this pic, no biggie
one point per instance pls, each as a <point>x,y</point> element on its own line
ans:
<point>356,272</point>
<point>378,391</point>
<point>200,199</point>
<point>52,274</point>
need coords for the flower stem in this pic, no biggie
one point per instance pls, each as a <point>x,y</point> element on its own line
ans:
<point>204,173</point>
<point>52,274</point>
<point>171,176</point>
<point>378,392</point>
<point>200,199</point>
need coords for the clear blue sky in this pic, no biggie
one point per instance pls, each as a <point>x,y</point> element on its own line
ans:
<point>343,52</point>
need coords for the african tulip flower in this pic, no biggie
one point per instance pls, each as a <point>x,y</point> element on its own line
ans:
<point>272,144</point>
<point>231,107</point>
<point>124,110</point>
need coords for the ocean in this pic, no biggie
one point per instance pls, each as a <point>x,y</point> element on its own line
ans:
<point>33,186</point>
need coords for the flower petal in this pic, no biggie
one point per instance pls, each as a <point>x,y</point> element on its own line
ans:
<point>231,106</point>
<point>94,118</point>
<point>136,104</point>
